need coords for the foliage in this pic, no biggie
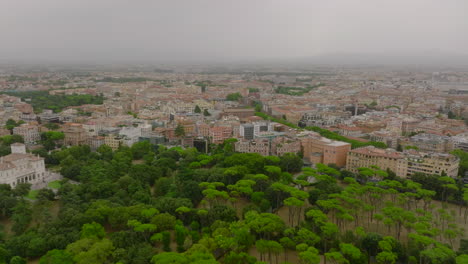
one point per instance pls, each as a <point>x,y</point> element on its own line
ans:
<point>234,97</point>
<point>41,100</point>
<point>296,91</point>
<point>145,204</point>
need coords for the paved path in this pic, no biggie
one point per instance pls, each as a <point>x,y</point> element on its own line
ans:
<point>50,176</point>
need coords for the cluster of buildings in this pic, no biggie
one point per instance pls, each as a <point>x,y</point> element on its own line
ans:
<point>420,115</point>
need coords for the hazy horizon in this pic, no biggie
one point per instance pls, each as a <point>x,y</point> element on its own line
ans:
<point>334,31</point>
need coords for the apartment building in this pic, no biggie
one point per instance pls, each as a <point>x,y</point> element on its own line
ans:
<point>30,133</point>
<point>429,142</point>
<point>460,142</point>
<point>114,141</point>
<point>220,133</point>
<point>318,149</point>
<point>432,163</point>
<point>382,158</point>
<point>247,131</point>
<point>241,113</point>
<point>95,142</point>
<point>283,145</point>
<point>75,134</point>
<point>260,146</point>
<point>403,163</point>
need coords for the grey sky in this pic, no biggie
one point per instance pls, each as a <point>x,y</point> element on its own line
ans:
<point>93,30</point>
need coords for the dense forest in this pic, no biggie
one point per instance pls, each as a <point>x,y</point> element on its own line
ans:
<point>151,204</point>
<point>41,100</point>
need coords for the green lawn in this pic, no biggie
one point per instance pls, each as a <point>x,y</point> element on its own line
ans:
<point>32,194</point>
<point>54,184</point>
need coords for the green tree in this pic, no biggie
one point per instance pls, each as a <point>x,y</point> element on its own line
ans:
<point>234,97</point>
<point>17,260</point>
<point>22,216</point>
<point>309,256</point>
<point>93,230</point>
<point>197,109</point>
<point>56,256</point>
<point>91,251</point>
<point>265,225</point>
<point>179,130</point>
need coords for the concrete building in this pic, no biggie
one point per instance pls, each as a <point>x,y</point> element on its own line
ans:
<point>318,149</point>
<point>247,131</point>
<point>130,135</point>
<point>403,163</point>
<point>429,142</point>
<point>95,142</point>
<point>460,142</point>
<point>30,133</point>
<point>390,138</point>
<point>262,126</point>
<point>382,158</point>
<point>283,145</point>
<point>220,133</point>
<point>113,141</point>
<point>260,146</point>
<point>432,163</point>
<point>21,167</point>
<point>48,116</point>
<point>241,113</point>
<point>75,134</point>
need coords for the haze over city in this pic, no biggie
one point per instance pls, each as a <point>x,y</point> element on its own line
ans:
<point>214,30</point>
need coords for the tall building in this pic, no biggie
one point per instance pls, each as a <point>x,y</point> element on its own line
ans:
<point>21,167</point>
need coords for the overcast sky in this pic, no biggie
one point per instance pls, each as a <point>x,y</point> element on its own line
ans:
<point>152,30</point>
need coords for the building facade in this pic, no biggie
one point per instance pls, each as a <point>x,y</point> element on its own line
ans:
<point>403,164</point>
<point>318,149</point>
<point>21,167</point>
<point>30,133</point>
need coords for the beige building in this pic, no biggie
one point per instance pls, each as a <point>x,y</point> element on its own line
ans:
<point>318,149</point>
<point>283,145</point>
<point>382,158</point>
<point>432,163</point>
<point>75,134</point>
<point>403,163</point>
<point>114,141</point>
<point>260,146</point>
<point>30,133</point>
